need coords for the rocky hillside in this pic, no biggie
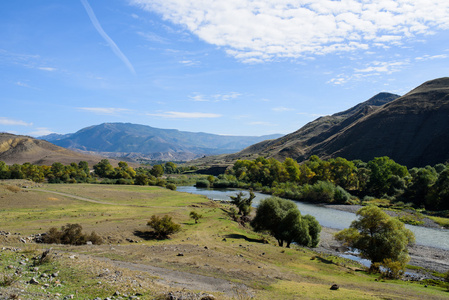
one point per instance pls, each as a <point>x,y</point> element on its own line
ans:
<point>20,149</point>
<point>144,142</point>
<point>412,129</point>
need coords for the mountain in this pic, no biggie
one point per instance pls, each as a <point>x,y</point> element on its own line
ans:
<point>295,144</point>
<point>20,149</point>
<point>144,142</point>
<point>413,130</point>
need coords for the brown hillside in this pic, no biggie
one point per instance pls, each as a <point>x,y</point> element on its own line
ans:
<point>413,130</point>
<point>20,149</point>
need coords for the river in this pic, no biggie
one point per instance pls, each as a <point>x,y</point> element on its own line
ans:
<point>328,217</point>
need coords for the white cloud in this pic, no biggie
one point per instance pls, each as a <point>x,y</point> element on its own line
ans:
<point>215,97</point>
<point>40,131</point>
<point>185,115</point>
<point>257,31</point>
<point>49,69</point>
<point>431,57</point>
<point>262,123</point>
<point>281,109</point>
<point>106,37</point>
<point>104,110</point>
<point>12,122</point>
<point>383,67</point>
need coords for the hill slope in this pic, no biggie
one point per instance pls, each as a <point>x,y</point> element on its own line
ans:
<point>20,149</point>
<point>296,144</point>
<point>413,130</point>
<point>133,140</point>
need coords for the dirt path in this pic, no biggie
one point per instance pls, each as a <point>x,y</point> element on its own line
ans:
<point>76,197</point>
<point>182,280</point>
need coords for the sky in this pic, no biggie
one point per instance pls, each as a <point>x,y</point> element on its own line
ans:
<point>234,67</point>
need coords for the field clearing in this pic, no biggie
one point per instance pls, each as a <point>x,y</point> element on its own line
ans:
<point>216,249</point>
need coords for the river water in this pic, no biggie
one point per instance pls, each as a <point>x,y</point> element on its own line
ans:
<point>328,217</point>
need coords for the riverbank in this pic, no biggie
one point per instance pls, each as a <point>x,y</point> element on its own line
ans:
<point>424,257</point>
<point>426,222</point>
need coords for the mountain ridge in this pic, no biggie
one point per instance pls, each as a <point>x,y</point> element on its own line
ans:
<point>146,142</point>
<point>412,129</point>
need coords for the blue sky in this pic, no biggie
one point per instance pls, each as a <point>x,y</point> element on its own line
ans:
<point>234,67</point>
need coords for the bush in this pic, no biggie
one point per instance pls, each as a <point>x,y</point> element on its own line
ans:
<point>202,184</point>
<point>171,186</point>
<point>70,234</point>
<point>163,227</point>
<point>196,216</point>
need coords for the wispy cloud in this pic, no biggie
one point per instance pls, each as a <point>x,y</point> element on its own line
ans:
<point>310,114</point>
<point>431,57</point>
<point>40,131</point>
<point>185,115</point>
<point>281,109</point>
<point>12,122</point>
<point>262,123</point>
<point>104,110</point>
<point>215,97</point>
<point>106,37</point>
<point>258,31</point>
<point>49,69</point>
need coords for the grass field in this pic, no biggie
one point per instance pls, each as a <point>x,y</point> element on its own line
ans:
<point>216,247</point>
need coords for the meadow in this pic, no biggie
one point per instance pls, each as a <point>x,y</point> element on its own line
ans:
<point>217,256</point>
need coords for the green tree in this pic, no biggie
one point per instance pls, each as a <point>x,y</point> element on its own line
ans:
<point>104,169</point>
<point>382,172</point>
<point>163,226</point>
<point>195,216</point>
<point>378,237</point>
<point>157,171</point>
<point>282,219</point>
<point>243,204</point>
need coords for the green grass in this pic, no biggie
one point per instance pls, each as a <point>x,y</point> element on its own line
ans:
<point>234,253</point>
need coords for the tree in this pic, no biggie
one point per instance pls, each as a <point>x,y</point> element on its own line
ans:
<point>163,226</point>
<point>104,169</point>
<point>283,220</point>
<point>378,237</point>
<point>195,216</point>
<point>157,171</point>
<point>381,180</point>
<point>243,204</point>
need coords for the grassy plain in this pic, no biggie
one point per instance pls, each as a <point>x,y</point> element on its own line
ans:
<point>217,248</point>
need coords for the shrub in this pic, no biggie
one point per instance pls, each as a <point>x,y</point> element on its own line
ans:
<point>202,184</point>
<point>163,227</point>
<point>70,234</point>
<point>171,186</point>
<point>196,216</point>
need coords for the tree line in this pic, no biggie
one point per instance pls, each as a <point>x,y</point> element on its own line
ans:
<point>339,180</point>
<point>102,172</point>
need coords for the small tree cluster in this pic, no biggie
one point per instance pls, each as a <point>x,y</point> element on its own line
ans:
<point>71,234</point>
<point>379,237</point>
<point>243,204</point>
<point>283,220</point>
<point>163,226</point>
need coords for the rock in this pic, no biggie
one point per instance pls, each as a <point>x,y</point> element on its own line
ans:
<point>180,254</point>
<point>208,297</point>
<point>116,294</point>
<point>335,287</point>
<point>33,281</point>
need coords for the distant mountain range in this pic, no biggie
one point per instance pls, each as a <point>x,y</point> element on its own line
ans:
<point>413,130</point>
<point>137,142</point>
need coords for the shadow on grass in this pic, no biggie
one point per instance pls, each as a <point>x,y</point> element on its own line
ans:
<point>146,235</point>
<point>323,260</point>
<point>243,237</point>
